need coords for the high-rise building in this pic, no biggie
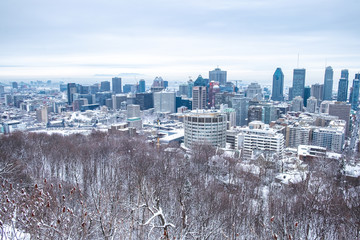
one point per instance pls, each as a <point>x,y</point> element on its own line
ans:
<point>42,114</point>
<point>199,97</point>
<point>311,105</point>
<point>218,76</point>
<point>14,85</point>
<point>254,113</point>
<point>190,88</point>
<point>341,110</point>
<point>278,86</point>
<point>71,89</point>
<point>145,100</point>
<point>269,113</point>
<point>142,87</point>
<point>307,94</point>
<point>298,83</point>
<point>297,135</point>
<point>345,74</point>
<point>328,83</point>
<point>317,91</point>
<point>254,90</point>
<point>258,137</point>
<point>105,86</point>
<point>116,85</point>
<point>183,89</point>
<point>133,111</point>
<point>213,89</point>
<point>117,99</point>
<point>241,105</point>
<point>354,95</point>
<point>342,90</point>
<point>207,127</point>
<point>332,138</point>
<point>297,104</point>
<point>2,89</point>
<point>165,101</point>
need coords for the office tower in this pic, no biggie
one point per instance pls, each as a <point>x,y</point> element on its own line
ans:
<point>297,104</point>
<point>207,127</point>
<point>328,83</point>
<point>269,113</point>
<point>290,93</point>
<point>298,83</point>
<point>2,89</point>
<point>307,94</point>
<point>145,100</point>
<point>183,89</point>
<point>254,113</point>
<point>166,84</point>
<point>190,87</point>
<point>345,74</point>
<point>164,102</point>
<point>241,105</point>
<point>94,88</point>
<point>199,97</point>
<point>78,103</point>
<point>142,87</point>
<point>101,97</point>
<point>71,89</point>
<point>311,104</point>
<point>218,76</point>
<point>200,81</point>
<point>341,110</point>
<point>116,85</point>
<point>117,99</point>
<point>133,111</point>
<point>342,90</point>
<point>105,86</point>
<point>230,114</point>
<point>354,95</point>
<point>278,86</point>
<point>129,88</point>
<point>258,137</point>
<point>213,89</point>
<point>317,91</point>
<point>254,90</point>
<point>14,85</point>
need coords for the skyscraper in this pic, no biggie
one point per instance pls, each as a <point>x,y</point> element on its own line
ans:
<point>116,85</point>
<point>71,89</point>
<point>317,91</point>
<point>218,76</point>
<point>278,86</point>
<point>142,85</point>
<point>342,90</point>
<point>105,86</point>
<point>298,83</point>
<point>190,87</point>
<point>241,105</point>
<point>199,97</point>
<point>328,83</point>
<point>354,99</point>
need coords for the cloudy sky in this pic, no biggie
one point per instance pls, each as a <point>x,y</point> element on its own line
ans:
<point>97,39</point>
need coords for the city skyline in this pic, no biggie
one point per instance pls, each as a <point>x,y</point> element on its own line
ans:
<point>133,40</point>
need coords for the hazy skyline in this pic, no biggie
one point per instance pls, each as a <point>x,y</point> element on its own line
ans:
<point>144,39</point>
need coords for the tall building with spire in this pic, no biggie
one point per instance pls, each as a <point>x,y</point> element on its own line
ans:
<point>278,86</point>
<point>328,83</point>
<point>298,83</point>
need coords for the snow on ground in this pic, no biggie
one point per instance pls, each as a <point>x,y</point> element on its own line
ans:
<point>291,177</point>
<point>352,170</point>
<point>9,233</point>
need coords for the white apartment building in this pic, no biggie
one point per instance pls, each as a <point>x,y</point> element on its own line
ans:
<point>203,126</point>
<point>259,137</point>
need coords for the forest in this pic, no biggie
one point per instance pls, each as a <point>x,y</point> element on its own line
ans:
<point>110,186</point>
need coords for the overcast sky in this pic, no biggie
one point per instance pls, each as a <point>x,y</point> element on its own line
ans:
<point>176,39</point>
